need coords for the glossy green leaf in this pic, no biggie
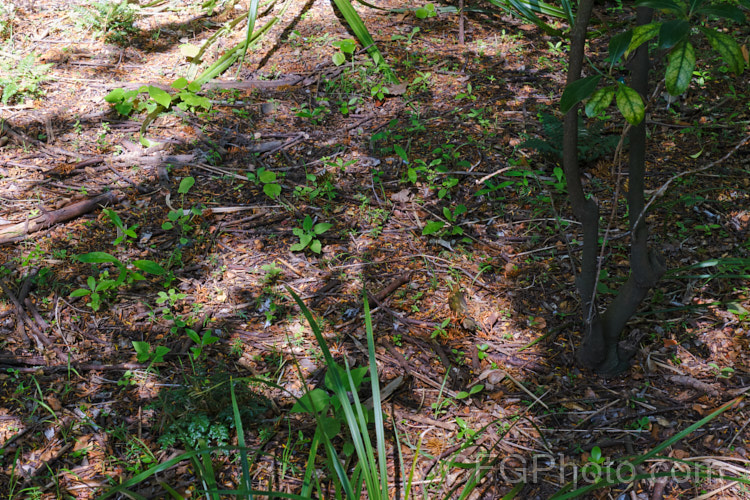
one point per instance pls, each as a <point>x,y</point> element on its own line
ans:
<point>727,47</point>
<point>272,190</point>
<point>599,101</point>
<point>641,35</point>
<point>338,58</point>
<point>266,176</point>
<point>665,5</point>
<point>98,258</point>
<point>630,104</point>
<point>316,246</point>
<point>116,95</point>
<point>186,184</point>
<point>322,227</point>
<point>680,68</point>
<point>180,83</point>
<point>724,11</point>
<point>578,91</point>
<point>432,227</point>
<point>673,32</point>
<point>160,96</point>
<point>149,266</point>
<point>618,45</point>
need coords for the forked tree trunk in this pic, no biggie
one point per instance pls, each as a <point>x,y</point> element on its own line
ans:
<point>600,349</point>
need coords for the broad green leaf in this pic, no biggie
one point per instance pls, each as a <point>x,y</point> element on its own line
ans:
<point>98,258</point>
<point>142,350</point>
<point>180,83</point>
<point>680,68</point>
<point>316,246</point>
<point>338,58</point>
<point>432,227</point>
<point>315,401</point>
<point>630,104</point>
<point>160,352</point>
<point>665,5</point>
<point>105,285</point>
<point>727,47</point>
<point>149,266</point>
<point>272,190</point>
<point>305,240</point>
<point>400,152</point>
<point>297,247</point>
<point>185,185</point>
<point>600,101</point>
<point>618,45</point>
<point>724,11</point>
<point>266,176</point>
<point>641,35</point>
<point>124,108</point>
<point>673,32</point>
<point>578,91</point>
<point>113,217</point>
<point>331,426</point>
<point>347,46</point>
<point>116,95</point>
<point>322,227</point>
<point>81,292</point>
<point>307,224</point>
<point>160,96</point>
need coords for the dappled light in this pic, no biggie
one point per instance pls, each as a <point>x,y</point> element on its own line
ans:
<point>374,250</point>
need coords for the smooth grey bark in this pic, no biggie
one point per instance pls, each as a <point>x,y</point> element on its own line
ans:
<point>600,349</point>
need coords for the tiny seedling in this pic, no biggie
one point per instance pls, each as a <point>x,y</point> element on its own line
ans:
<point>308,235</point>
<point>123,231</point>
<point>144,353</point>
<point>439,330</point>
<point>467,394</point>
<point>345,47</point>
<point>271,187</point>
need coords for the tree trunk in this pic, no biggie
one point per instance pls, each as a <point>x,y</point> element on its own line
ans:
<point>600,349</point>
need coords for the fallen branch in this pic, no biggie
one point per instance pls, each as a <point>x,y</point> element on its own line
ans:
<point>12,232</point>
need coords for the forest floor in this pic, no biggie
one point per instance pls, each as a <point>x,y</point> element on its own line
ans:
<point>440,190</point>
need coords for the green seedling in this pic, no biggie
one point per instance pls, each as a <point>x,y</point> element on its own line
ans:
<point>425,12</point>
<point>439,330</point>
<point>271,187</point>
<point>144,353</point>
<point>467,394</point>
<point>186,98</point>
<point>123,231</point>
<point>724,372</point>
<point>345,47</point>
<point>104,287</point>
<point>308,235</point>
<point>181,217</point>
<point>436,227</point>
<point>315,115</point>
